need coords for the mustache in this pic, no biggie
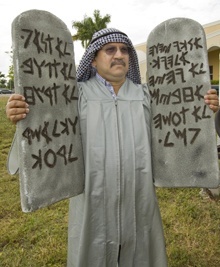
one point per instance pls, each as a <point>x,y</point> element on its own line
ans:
<point>118,62</point>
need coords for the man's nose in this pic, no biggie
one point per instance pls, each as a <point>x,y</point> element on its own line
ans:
<point>119,53</point>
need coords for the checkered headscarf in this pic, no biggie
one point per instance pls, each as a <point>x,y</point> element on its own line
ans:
<point>99,39</point>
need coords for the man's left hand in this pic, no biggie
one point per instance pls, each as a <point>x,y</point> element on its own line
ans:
<point>212,100</point>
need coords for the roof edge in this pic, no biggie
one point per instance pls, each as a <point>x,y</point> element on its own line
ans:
<point>211,24</point>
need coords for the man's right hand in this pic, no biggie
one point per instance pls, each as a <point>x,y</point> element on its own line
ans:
<point>16,108</point>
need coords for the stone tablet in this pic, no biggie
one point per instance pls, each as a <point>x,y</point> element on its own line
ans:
<point>48,140</point>
<point>184,151</point>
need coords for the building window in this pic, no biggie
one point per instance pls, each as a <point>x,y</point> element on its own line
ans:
<point>211,72</point>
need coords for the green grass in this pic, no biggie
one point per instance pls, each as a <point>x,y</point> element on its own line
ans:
<point>38,239</point>
<point>192,228</point>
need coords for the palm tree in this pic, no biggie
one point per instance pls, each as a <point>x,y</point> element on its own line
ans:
<point>87,27</point>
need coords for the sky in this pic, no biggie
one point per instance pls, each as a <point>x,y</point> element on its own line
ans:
<point>137,18</point>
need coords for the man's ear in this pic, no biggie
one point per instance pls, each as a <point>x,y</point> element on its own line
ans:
<point>94,63</point>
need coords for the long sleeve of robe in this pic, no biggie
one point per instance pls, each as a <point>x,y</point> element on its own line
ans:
<point>118,211</point>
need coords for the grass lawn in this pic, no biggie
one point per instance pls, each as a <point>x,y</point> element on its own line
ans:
<point>38,239</point>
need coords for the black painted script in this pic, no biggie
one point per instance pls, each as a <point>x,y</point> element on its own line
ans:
<point>49,88</point>
<point>176,90</point>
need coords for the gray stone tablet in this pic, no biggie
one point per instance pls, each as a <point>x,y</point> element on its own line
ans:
<point>48,139</point>
<point>184,150</point>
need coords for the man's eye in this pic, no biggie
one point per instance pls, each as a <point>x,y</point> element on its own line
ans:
<point>124,50</point>
<point>110,50</point>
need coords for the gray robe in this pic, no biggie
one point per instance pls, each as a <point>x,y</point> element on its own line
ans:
<point>119,206</point>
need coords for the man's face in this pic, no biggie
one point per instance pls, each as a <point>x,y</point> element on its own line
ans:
<point>112,62</point>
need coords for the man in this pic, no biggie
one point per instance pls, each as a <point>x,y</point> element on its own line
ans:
<point>116,221</point>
